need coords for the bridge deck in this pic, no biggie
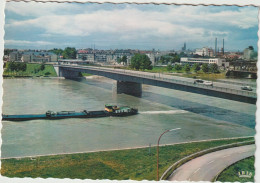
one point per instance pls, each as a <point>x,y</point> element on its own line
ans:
<point>168,81</point>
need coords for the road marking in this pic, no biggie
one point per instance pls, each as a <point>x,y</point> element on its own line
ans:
<point>211,162</point>
<point>226,156</point>
<point>196,170</point>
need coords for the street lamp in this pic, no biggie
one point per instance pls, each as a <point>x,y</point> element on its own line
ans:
<point>158,149</point>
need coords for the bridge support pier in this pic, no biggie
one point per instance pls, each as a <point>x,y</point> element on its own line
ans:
<point>68,74</point>
<point>130,88</point>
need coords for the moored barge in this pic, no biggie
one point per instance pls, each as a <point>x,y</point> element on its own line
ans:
<point>110,110</point>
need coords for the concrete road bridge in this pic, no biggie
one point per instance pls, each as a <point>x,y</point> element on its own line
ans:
<point>130,82</point>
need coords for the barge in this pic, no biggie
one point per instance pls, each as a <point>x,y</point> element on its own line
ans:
<point>110,110</point>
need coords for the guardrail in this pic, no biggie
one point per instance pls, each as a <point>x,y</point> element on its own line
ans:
<point>162,77</point>
<point>182,161</point>
<point>237,83</point>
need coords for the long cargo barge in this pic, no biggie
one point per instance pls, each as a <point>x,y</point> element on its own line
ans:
<point>110,110</point>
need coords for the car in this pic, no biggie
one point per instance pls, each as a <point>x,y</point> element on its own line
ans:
<point>198,81</point>
<point>208,83</point>
<point>248,88</point>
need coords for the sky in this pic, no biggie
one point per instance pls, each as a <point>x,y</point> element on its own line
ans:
<point>124,26</point>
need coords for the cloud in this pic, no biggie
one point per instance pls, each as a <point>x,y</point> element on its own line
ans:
<point>131,22</point>
<point>24,42</point>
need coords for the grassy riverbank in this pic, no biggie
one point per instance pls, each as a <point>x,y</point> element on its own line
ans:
<point>32,70</point>
<point>135,164</point>
<point>231,173</point>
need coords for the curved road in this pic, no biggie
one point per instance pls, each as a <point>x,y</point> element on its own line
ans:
<point>206,167</point>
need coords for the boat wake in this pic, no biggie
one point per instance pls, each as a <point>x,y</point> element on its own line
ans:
<point>164,112</point>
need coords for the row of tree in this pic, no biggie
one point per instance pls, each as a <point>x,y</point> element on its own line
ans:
<point>16,66</point>
<point>67,53</point>
<point>213,68</point>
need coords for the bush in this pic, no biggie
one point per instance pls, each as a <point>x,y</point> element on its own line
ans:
<point>214,68</point>
<point>196,67</point>
<point>42,67</point>
<point>169,67</point>
<point>205,68</point>
<point>178,67</point>
<point>186,67</point>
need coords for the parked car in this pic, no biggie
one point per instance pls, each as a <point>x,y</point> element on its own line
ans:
<point>208,83</point>
<point>248,88</point>
<point>198,81</point>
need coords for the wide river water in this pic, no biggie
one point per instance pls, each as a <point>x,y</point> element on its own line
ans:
<point>199,117</point>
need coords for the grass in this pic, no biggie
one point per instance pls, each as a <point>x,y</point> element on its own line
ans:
<point>135,164</point>
<point>230,174</point>
<point>86,74</point>
<point>32,70</point>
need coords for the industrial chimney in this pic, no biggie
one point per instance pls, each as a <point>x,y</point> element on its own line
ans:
<point>223,47</point>
<point>216,46</point>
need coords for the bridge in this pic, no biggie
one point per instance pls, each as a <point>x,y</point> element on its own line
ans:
<point>130,82</point>
<point>247,69</point>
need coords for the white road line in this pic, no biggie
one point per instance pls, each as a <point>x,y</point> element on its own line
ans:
<point>226,156</point>
<point>210,162</point>
<point>196,170</point>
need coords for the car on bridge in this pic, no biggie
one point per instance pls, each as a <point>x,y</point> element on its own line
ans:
<point>198,81</point>
<point>248,88</point>
<point>208,83</point>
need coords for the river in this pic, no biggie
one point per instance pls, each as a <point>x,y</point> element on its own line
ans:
<point>199,117</point>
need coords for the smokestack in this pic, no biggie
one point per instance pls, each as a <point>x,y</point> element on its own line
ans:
<point>216,46</point>
<point>223,47</point>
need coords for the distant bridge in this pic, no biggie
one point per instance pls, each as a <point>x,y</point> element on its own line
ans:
<point>246,69</point>
<point>130,82</point>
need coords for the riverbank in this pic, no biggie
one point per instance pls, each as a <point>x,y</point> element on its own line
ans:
<point>32,70</point>
<point>135,164</point>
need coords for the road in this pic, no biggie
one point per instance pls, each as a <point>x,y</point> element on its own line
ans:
<point>206,167</point>
<point>222,86</point>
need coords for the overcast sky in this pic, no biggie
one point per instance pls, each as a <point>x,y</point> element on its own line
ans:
<point>107,26</point>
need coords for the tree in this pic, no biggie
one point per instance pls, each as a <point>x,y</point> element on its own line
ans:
<point>23,66</point>
<point>11,66</point>
<point>187,67</point>
<point>196,67</point>
<point>176,59</point>
<point>42,67</point>
<point>69,53</point>
<point>118,60</point>
<point>205,68</point>
<point>124,60</point>
<point>56,51</point>
<point>214,68</point>
<point>169,67</point>
<point>178,67</point>
<point>140,61</point>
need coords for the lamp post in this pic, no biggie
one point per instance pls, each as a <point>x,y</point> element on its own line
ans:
<point>158,149</point>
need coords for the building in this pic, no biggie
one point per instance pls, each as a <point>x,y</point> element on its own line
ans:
<point>218,61</point>
<point>184,47</point>
<point>249,53</point>
<point>86,55</point>
<point>15,56</point>
<point>205,51</point>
